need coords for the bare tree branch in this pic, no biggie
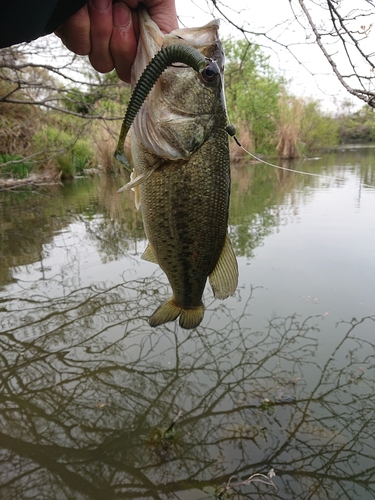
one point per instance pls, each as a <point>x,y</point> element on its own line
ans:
<point>340,29</point>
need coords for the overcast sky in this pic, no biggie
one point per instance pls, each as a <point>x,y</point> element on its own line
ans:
<point>304,64</point>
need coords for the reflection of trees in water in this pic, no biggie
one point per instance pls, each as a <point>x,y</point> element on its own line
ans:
<point>116,226</point>
<point>22,233</point>
<point>29,222</point>
<point>85,385</point>
<point>263,199</point>
<point>112,238</point>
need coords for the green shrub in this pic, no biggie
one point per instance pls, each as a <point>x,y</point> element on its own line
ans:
<point>358,126</point>
<point>252,91</point>
<point>69,154</point>
<point>18,169</point>
<point>318,129</point>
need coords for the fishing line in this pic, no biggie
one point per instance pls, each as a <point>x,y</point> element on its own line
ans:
<point>231,129</point>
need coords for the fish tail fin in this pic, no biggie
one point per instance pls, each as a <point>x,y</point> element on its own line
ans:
<point>169,311</point>
<point>191,318</point>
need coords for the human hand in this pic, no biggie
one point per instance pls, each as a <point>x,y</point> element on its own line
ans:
<point>107,32</point>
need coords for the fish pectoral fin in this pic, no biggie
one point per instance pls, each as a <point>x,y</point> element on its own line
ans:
<point>169,311</point>
<point>224,278</point>
<point>137,191</point>
<point>138,179</point>
<point>137,197</point>
<point>149,255</point>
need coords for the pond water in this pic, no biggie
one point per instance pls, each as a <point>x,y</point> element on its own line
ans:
<point>280,376</point>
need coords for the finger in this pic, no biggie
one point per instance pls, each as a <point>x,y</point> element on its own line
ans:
<point>163,12</point>
<point>75,32</point>
<point>100,12</point>
<point>123,44</point>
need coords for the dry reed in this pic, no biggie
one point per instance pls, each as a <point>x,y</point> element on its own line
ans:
<point>288,126</point>
<point>245,138</point>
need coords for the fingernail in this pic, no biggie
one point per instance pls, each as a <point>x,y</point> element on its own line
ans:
<point>121,15</point>
<point>101,4</point>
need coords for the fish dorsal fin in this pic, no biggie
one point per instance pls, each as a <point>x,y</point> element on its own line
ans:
<point>149,255</point>
<point>224,278</point>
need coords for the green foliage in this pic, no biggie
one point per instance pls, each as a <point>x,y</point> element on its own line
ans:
<point>260,106</point>
<point>252,91</point>
<point>358,126</point>
<point>268,119</point>
<point>318,129</point>
<point>18,169</point>
<point>80,102</point>
<point>72,155</point>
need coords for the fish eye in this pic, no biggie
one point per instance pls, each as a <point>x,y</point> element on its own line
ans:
<point>210,72</point>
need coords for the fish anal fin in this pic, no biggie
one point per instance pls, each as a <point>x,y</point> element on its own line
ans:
<point>149,255</point>
<point>224,278</point>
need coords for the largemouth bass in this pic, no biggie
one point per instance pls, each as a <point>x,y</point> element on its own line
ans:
<point>180,157</point>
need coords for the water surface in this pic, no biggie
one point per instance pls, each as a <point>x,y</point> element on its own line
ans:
<point>280,376</point>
